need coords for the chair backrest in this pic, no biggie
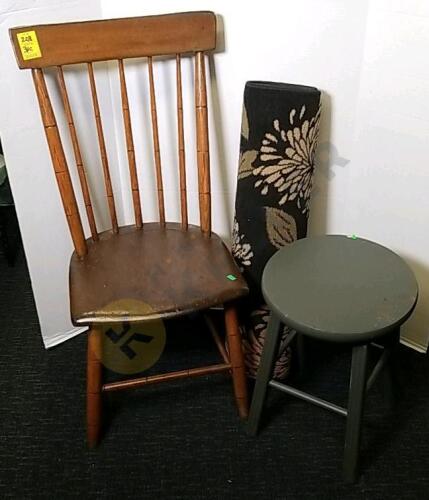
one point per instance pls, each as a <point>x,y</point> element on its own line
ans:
<point>57,45</point>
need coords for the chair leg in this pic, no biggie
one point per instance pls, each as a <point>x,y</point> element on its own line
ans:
<point>237,360</point>
<point>93,388</point>
<point>355,412</point>
<point>265,370</point>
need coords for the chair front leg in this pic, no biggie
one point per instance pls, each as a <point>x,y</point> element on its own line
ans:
<point>237,360</point>
<point>93,388</point>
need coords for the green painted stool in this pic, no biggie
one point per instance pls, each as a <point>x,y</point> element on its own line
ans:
<point>338,289</point>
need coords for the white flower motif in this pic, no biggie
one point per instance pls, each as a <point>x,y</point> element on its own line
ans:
<point>241,251</point>
<point>286,160</point>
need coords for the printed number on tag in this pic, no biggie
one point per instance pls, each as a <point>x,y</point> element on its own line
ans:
<point>29,45</point>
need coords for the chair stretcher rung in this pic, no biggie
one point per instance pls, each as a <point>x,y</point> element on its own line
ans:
<point>165,377</point>
<point>309,398</point>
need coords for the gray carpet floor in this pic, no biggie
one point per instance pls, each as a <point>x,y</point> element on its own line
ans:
<point>184,440</point>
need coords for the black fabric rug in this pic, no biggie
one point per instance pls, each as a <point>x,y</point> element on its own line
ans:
<point>278,140</point>
<point>184,440</point>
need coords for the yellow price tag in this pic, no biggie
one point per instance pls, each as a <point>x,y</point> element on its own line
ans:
<point>29,45</point>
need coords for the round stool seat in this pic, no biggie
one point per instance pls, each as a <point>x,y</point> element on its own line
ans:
<point>339,288</point>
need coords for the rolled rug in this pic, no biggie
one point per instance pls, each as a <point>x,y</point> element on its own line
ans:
<point>279,132</point>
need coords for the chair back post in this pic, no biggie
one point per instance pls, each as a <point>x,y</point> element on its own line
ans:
<point>181,145</point>
<point>102,147</point>
<point>135,192</point>
<point>77,154</point>
<point>203,157</point>
<point>156,150</point>
<point>59,163</point>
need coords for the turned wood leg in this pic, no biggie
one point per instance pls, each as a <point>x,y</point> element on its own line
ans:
<point>93,388</point>
<point>237,360</point>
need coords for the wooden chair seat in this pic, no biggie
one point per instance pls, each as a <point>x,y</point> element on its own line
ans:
<point>169,269</point>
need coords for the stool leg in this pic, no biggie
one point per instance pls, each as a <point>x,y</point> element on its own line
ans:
<point>355,412</point>
<point>271,345</point>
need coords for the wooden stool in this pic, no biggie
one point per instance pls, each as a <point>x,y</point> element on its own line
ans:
<point>337,289</point>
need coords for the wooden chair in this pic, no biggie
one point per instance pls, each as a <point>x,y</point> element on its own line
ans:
<point>176,268</point>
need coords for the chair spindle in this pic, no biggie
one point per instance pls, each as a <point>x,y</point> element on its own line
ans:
<point>77,153</point>
<point>102,146</point>
<point>203,158</point>
<point>59,162</point>
<point>156,151</point>
<point>130,146</point>
<point>181,146</point>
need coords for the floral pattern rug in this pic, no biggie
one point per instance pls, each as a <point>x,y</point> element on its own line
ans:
<point>279,133</point>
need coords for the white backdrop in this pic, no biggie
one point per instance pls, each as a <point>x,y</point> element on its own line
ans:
<point>44,230</point>
<point>367,57</point>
